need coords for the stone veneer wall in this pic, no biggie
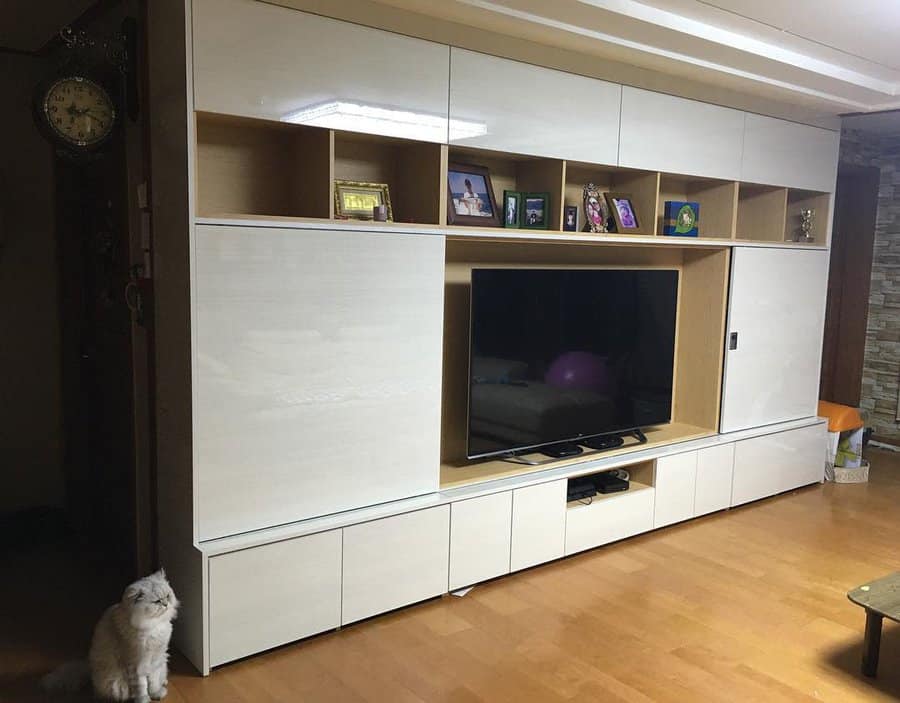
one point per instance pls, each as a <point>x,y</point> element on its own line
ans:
<point>881,371</point>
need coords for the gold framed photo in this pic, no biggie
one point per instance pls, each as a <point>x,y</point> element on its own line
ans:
<point>355,200</point>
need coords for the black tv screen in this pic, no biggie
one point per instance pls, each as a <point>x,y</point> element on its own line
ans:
<point>558,355</point>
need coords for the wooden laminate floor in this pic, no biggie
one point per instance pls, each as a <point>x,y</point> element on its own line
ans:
<point>745,605</point>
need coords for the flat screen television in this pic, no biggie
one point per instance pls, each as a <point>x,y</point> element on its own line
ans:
<point>562,355</point>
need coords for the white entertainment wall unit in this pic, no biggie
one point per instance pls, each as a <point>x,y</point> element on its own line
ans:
<point>311,371</point>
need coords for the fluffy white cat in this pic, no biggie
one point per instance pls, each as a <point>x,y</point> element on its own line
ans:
<point>128,659</point>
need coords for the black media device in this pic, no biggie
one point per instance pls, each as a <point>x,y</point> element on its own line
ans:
<point>580,488</point>
<point>609,483</point>
<point>568,357</point>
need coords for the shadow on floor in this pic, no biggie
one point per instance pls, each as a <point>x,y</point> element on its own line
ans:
<point>849,658</point>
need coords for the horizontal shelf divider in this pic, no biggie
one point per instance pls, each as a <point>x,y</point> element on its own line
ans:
<point>488,233</point>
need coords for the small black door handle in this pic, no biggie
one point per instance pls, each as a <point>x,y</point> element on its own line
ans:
<point>732,341</point>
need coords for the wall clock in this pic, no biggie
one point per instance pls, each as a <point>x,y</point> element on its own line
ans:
<point>75,112</point>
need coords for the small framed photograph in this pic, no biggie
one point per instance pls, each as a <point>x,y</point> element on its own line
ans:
<point>535,210</point>
<point>355,200</point>
<point>470,196</point>
<point>596,212</point>
<point>570,219</point>
<point>623,212</point>
<point>512,208</point>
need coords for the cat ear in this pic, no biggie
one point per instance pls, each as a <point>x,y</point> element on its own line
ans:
<point>161,574</point>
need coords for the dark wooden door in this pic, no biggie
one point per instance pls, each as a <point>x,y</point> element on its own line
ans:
<point>852,245</point>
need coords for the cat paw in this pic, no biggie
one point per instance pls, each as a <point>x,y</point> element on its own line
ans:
<point>159,694</point>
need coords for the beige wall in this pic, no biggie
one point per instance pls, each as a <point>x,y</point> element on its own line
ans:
<point>30,387</point>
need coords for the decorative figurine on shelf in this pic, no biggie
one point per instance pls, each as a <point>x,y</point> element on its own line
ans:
<point>596,212</point>
<point>806,223</point>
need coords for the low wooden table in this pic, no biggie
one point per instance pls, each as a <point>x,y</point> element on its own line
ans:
<point>881,599</point>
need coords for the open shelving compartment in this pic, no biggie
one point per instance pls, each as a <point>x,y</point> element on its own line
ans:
<point>641,477</point>
<point>718,201</point>
<point>250,167</point>
<point>703,283</point>
<point>412,170</point>
<point>642,186</point>
<point>526,174</point>
<point>819,203</point>
<point>762,211</point>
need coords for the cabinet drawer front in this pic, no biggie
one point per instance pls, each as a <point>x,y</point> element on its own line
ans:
<point>507,105</point>
<point>394,562</point>
<point>676,479</point>
<point>774,463</point>
<point>258,60</point>
<point>715,469</point>
<point>266,596</point>
<point>608,520</point>
<point>664,133</point>
<point>538,524</point>
<point>479,539</point>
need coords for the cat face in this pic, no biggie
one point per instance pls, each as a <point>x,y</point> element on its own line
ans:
<point>150,600</point>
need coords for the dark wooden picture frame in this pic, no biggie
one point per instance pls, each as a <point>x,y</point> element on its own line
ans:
<point>613,201</point>
<point>474,175</point>
<point>570,218</point>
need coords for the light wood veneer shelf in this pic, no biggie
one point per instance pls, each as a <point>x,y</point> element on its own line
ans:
<point>456,474</point>
<point>258,169</point>
<point>641,478</point>
<point>633,487</point>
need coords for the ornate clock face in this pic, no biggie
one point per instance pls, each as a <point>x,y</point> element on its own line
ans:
<point>78,111</point>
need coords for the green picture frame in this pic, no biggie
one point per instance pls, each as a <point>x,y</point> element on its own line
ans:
<point>532,215</point>
<point>512,209</point>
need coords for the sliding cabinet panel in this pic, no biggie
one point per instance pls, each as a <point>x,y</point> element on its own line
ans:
<point>715,468</point>
<point>395,562</point>
<point>479,539</point>
<point>777,311</point>
<point>664,133</point>
<point>318,372</point>
<point>266,596</point>
<point>259,60</point>
<point>538,524</point>
<point>784,153</point>
<point>774,463</point>
<point>507,105</point>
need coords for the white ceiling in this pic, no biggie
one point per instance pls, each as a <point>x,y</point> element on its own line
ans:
<point>26,25</point>
<point>836,56</point>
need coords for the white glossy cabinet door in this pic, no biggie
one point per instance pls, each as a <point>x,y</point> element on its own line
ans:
<point>479,539</point>
<point>774,463</point>
<point>676,480</point>
<point>789,154</point>
<point>258,60</point>
<point>395,562</point>
<point>608,519</point>
<point>507,105</point>
<point>777,311</point>
<point>715,468</point>
<point>538,524</point>
<point>318,372</point>
<point>664,133</point>
<point>266,596</point>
